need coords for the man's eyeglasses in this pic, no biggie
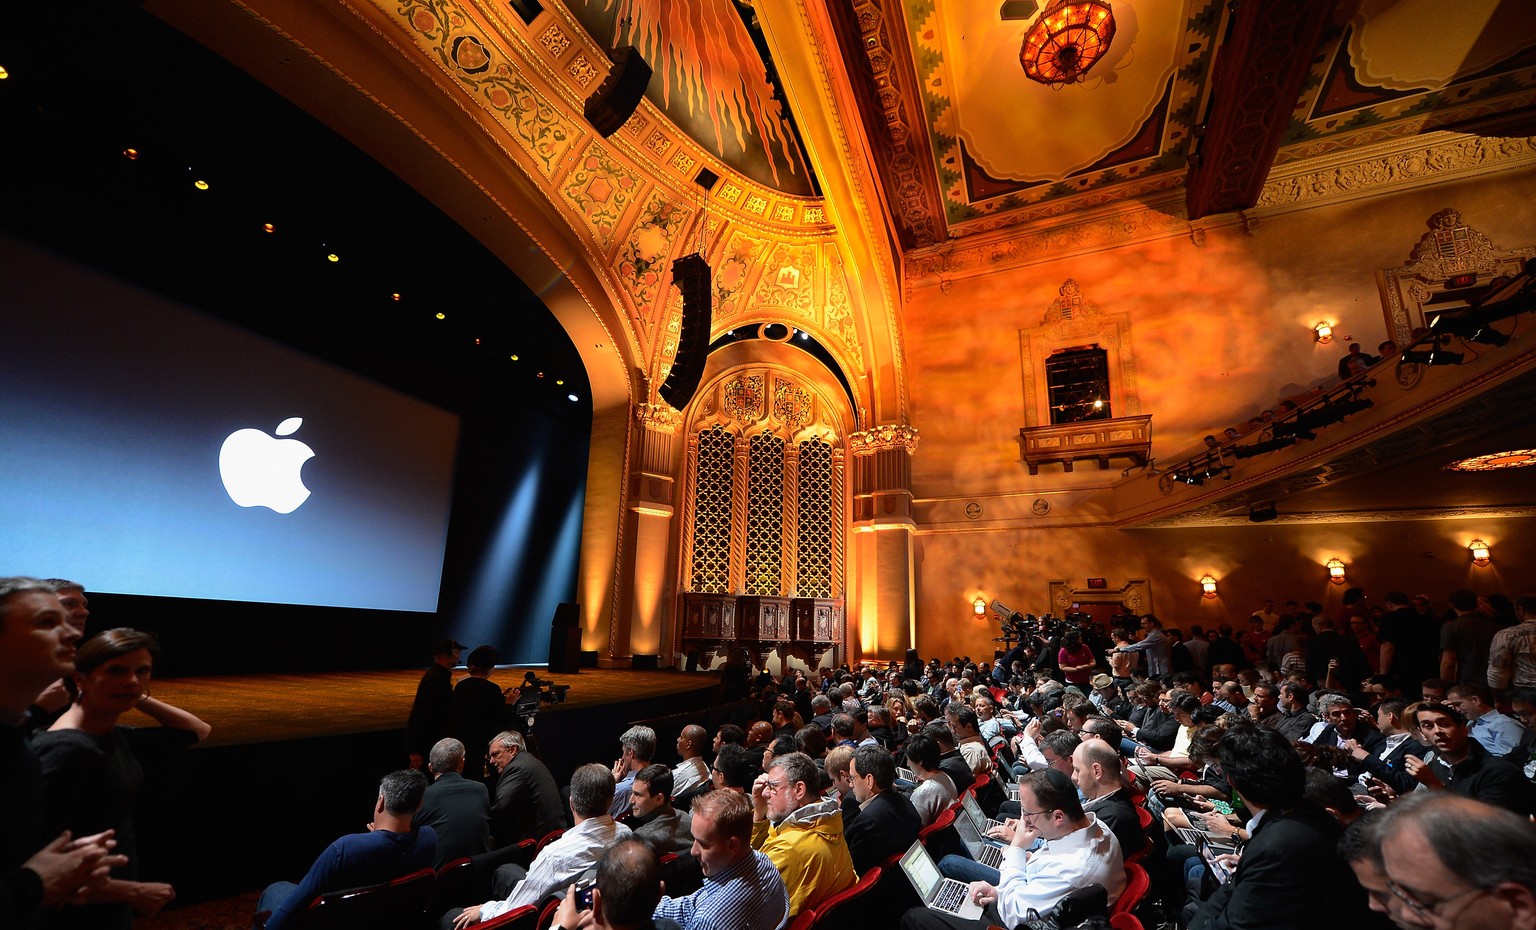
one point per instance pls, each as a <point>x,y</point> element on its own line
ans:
<point>1428,912</point>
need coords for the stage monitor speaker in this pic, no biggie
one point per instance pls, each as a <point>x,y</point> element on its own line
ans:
<point>691,274</point>
<point>565,640</point>
<point>615,100</point>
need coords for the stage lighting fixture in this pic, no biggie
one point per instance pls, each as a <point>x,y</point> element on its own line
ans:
<point>1262,513</point>
<point>1433,357</point>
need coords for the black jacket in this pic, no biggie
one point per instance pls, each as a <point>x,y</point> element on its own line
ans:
<point>886,826</point>
<point>459,811</point>
<point>527,804</point>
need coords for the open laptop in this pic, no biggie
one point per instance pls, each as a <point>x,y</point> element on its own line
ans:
<point>988,854</point>
<point>906,774</point>
<point>937,892</point>
<point>1197,835</point>
<point>978,816</point>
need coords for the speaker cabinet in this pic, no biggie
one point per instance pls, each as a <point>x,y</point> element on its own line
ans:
<point>565,640</point>
<point>691,275</point>
<point>615,100</point>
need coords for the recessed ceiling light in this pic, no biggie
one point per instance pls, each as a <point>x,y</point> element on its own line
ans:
<point>571,397</point>
<point>1494,461</point>
<point>441,315</point>
<point>560,381</point>
<point>395,296</point>
<point>513,357</point>
<point>4,73</point>
<point>332,257</point>
<point>268,227</point>
<point>131,154</point>
<point>200,184</point>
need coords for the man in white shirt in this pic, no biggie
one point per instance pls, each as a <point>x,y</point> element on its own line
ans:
<point>1077,851</point>
<point>576,851</point>
<point>693,770</point>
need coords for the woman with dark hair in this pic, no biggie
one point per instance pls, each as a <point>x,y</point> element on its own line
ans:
<point>91,766</point>
<point>1075,659</point>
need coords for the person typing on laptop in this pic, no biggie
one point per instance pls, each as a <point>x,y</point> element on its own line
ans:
<point>1076,851</point>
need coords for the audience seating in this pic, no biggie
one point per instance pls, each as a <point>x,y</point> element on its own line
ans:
<point>485,866</point>
<point>454,886</point>
<point>522,918</point>
<point>1124,922</point>
<point>1136,884</point>
<point>546,840</point>
<point>945,819</point>
<point>682,873</point>
<point>400,904</point>
<point>841,910</point>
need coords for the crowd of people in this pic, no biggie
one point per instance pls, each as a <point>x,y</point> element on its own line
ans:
<point>1356,767</point>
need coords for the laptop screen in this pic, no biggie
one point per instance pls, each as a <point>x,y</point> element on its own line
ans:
<point>921,871</point>
<point>974,811</point>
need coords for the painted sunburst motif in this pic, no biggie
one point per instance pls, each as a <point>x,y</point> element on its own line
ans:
<point>1495,461</point>
<point>701,51</point>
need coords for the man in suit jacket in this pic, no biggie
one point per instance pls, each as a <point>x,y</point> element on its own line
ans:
<point>652,816</point>
<point>455,807</point>
<point>1290,874</point>
<point>527,802</point>
<point>1344,725</point>
<point>1388,761</point>
<point>886,823</point>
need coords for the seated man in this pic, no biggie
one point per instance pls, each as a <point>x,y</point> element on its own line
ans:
<point>1290,873</point>
<point>637,748</point>
<point>799,832</point>
<point>1459,764</point>
<point>1078,852</point>
<point>652,816</point>
<point>693,770</point>
<point>625,893</point>
<point>456,808</point>
<point>561,861</point>
<point>390,849</point>
<point>1498,733</point>
<point>742,888</point>
<point>886,822</point>
<point>525,802</point>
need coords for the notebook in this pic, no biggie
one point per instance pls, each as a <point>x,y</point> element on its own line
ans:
<point>978,816</point>
<point>988,854</point>
<point>937,892</point>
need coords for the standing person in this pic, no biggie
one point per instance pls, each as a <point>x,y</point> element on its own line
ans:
<point>428,721</point>
<point>1512,651</point>
<point>1408,643</point>
<point>477,710</point>
<point>1075,659</point>
<point>1465,641</point>
<point>91,765</point>
<point>37,869</point>
<point>1153,645</point>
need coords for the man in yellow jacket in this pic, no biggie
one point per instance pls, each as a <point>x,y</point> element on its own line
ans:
<point>800,832</point>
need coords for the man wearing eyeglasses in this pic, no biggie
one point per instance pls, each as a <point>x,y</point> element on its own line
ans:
<point>801,833</point>
<point>1453,863</point>
<point>1077,851</point>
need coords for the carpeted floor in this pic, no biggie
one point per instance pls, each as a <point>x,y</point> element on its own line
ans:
<point>226,914</point>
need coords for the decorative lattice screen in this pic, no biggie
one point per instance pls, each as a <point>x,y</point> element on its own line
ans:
<point>712,512</point>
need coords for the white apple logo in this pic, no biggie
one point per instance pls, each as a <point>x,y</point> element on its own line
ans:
<point>260,471</point>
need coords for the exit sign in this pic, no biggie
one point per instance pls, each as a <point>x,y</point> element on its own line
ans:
<point>1097,583</point>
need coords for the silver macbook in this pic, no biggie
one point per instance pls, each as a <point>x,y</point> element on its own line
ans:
<point>988,854</point>
<point>937,892</point>
<point>978,816</point>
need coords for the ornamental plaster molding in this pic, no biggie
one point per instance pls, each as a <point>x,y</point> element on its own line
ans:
<point>883,438</point>
<point>659,417</point>
<point>1401,164</point>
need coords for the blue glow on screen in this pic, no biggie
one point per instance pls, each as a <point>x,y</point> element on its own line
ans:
<point>114,403</point>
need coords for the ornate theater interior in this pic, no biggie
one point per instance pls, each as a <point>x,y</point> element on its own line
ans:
<point>958,324</point>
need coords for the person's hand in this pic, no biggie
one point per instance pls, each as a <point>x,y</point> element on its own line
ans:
<point>67,866</point>
<point>1167,787</point>
<point>1201,804</point>
<point>1354,748</point>
<point>569,913</point>
<point>759,792</point>
<point>149,898</point>
<point>1032,729</point>
<point>1004,831</point>
<point>1420,772</point>
<point>416,760</point>
<point>55,697</point>
<point>620,770</point>
<point>1218,825</point>
<point>983,893</point>
<point>1228,859</point>
<point>470,915</point>
<point>1024,834</point>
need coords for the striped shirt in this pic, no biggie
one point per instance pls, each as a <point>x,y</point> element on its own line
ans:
<point>749,895</point>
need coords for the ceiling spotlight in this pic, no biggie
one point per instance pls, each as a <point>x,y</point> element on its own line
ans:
<point>1323,332</point>
<point>395,296</point>
<point>268,227</point>
<point>332,257</point>
<point>441,315</point>
<point>560,381</point>
<point>4,73</point>
<point>512,357</point>
<point>571,397</point>
<point>131,154</point>
<point>200,184</point>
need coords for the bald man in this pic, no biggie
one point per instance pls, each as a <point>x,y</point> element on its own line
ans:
<point>693,770</point>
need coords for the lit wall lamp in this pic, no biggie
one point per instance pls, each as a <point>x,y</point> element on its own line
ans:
<point>1480,554</point>
<point>1324,332</point>
<point>979,606</point>
<point>1335,571</point>
<point>1207,586</point>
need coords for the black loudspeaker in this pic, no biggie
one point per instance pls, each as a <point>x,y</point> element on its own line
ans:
<point>614,101</point>
<point>691,275</point>
<point>565,641</point>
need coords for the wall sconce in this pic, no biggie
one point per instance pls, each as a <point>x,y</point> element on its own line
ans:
<point>1480,554</point>
<point>1207,586</point>
<point>1324,332</point>
<point>979,606</point>
<point>1335,571</point>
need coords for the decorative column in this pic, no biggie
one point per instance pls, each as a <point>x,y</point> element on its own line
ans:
<point>881,605</point>
<point>644,580</point>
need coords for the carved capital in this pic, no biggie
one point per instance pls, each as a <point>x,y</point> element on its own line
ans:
<point>881,438</point>
<point>659,417</point>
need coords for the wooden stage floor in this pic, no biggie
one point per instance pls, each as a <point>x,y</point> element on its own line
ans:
<point>271,708</point>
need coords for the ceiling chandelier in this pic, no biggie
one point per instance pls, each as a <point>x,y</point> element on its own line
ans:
<point>1068,39</point>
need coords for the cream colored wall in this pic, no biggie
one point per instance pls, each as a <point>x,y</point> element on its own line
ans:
<point>1250,563</point>
<point>1219,331</point>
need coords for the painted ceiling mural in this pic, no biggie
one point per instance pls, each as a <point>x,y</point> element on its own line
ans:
<point>708,76</point>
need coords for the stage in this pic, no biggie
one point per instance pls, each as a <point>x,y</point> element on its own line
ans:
<point>274,708</point>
